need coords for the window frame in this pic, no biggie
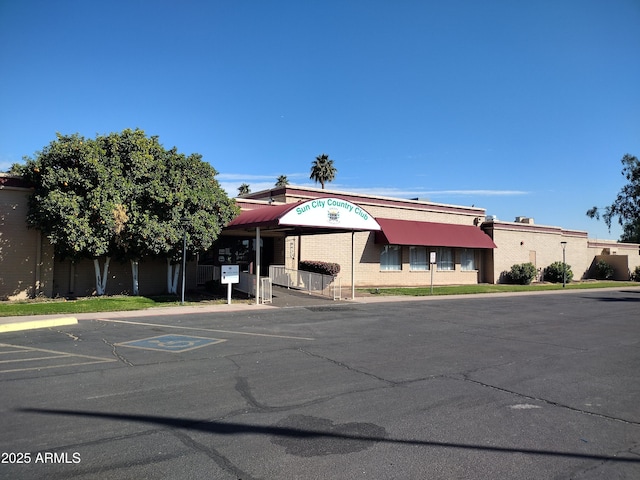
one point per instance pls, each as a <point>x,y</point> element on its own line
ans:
<point>442,263</point>
<point>466,254</point>
<point>387,266</point>
<point>417,266</point>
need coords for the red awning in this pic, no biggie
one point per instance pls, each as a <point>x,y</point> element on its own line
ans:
<point>408,232</point>
<point>263,216</point>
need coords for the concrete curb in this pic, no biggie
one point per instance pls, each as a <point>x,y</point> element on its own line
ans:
<point>33,324</point>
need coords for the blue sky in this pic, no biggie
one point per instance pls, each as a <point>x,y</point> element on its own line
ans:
<point>523,108</point>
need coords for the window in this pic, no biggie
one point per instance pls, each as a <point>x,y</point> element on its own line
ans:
<point>418,258</point>
<point>467,259</point>
<point>445,258</point>
<point>390,258</point>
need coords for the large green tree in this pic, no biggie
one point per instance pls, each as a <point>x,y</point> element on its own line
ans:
<point>322,170</point>
<point>125,195</point>
<point>626,206</point>
<point>631,232</point>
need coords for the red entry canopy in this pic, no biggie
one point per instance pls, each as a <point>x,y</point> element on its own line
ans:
<point>408,232</point>
<point>264,216</point>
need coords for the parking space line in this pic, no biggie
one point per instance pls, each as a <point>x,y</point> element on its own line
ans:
<point>54,351</point>
<point>51,355</point>
<point>11,351</point>
<point>179,327</point>
<point>31,359</point>
<point>55,366</point>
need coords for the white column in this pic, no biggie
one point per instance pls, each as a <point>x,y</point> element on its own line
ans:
<point>353,265</point>
<point>257,265</point>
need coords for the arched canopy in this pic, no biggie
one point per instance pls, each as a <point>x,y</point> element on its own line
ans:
<point>320,215</point>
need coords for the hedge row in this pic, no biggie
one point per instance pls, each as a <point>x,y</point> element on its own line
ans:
<point>325,268</point>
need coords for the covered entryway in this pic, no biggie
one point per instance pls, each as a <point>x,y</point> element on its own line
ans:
<point>312,217</point>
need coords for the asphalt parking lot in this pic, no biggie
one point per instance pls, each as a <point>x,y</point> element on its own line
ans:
<point>504,386</point>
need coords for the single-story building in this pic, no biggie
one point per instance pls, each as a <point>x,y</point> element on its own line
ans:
<point>377,241</point>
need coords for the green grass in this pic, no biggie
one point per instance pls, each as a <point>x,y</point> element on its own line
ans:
<point>85,305</point>
<point>89,305</point>
<point>487,288</point>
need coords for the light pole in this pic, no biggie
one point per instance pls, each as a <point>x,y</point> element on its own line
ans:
<point>184,222</point>
<point>564,264</point>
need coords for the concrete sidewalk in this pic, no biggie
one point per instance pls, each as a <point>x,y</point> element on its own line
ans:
<point>282,298</point>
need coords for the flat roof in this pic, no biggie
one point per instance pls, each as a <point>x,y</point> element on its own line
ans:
<point>363,199</point>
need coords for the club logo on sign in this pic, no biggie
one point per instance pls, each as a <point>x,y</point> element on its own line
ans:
<point>334,215</point>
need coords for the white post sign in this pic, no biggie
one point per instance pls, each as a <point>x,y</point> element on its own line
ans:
<point>229,274</point>
<point>432,261</point>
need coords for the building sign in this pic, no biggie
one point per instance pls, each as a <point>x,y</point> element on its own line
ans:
<point>330,212</point>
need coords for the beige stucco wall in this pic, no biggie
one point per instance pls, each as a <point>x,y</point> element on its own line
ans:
<point>26,258</point>
<point>541,245</point>
<point>624,257</point>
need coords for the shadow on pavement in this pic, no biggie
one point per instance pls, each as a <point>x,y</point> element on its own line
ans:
<point>229,428</point>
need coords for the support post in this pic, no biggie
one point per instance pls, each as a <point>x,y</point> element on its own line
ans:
<point>431,268</point>
<point>564,264</point>
<point>353,265</point>
<point>257,265</point>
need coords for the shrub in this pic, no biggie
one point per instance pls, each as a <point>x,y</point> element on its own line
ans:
<point>553,273</point>
<point>635,275</point>
<point>325,268</point>
<point>603,270</point>
<point>522,274</point>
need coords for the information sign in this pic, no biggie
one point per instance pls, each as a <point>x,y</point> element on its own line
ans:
<point>230,274</point>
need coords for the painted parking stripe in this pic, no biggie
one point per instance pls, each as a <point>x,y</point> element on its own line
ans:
<point>180,327</point>
<point>171,343</point>
<point>40,354</point>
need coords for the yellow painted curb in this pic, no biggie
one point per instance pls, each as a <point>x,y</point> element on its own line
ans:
<point>51,322</point>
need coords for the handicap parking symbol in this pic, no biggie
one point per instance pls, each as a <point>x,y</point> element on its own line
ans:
<point>171,343</point>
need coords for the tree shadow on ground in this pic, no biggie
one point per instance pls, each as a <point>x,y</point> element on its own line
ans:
<point>630,296</point>
<point>230,428</point>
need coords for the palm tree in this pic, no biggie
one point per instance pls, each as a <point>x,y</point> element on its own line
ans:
<point>322,169</point>
<point>282,181</point>
<point>243,189</point>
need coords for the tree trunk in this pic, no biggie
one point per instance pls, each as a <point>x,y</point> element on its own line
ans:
<point>173,272</point>
<point>101,279</point>
<point>134,274</point>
